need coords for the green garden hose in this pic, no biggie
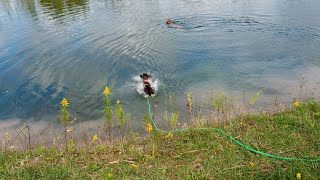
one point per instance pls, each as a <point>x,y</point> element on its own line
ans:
<point>230,137</point>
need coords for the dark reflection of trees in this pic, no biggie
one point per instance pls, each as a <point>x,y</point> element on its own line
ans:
<point>26,5</point>
<point>29,6</point>
<point>63,7</point>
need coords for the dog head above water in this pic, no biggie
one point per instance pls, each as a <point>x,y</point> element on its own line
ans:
<point>169,21</point>
<point>147,87</point>
<point>145,78</point>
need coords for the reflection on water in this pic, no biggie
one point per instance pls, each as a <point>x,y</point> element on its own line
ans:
<point>62,6</point>
<point>59,8</point>
<point>73,48</point>
<point>29,6</point>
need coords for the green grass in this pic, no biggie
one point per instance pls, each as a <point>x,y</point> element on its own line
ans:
<point>191,155</point>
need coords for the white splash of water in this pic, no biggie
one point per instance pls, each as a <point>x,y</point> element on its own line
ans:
<point>139,86</point>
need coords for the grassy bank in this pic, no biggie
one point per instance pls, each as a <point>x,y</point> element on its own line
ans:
<point>197,154</point>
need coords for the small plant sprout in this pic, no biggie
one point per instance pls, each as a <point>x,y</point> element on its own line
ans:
<point>71,146</point>
<point>218,103</point>
<point>109,176</point>
<point>7,136</point>
<point>165,113</point>
<point>317,115</point>
<point>254,98</point>
<point>189,102</point>
<point>64,119</point>
<point>119,113</point>
<point>108,114</point>
<point>121,120</point>
<point>7,139</point>
<point>174,119</point>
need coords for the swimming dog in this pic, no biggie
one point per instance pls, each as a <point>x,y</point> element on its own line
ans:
<point>147,86</point>
<point>170,23</point>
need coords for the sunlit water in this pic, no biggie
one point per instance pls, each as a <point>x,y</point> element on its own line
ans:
<point>73,48</point>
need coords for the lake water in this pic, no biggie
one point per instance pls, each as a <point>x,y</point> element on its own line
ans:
<point>73,48</point>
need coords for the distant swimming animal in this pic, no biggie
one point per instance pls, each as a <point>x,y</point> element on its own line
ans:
<point>170,23</point>
<point>147,86</point>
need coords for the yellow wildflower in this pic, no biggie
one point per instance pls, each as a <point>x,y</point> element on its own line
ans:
<point>64,102</point>
<point>109,176</point>
<point>94,138</point>
<point>106,91</point>
<point>118,101</point>
<point>134,165</point>
<point>169,135</point>
<point>149,127</point>
<point>298,175</point>
<point>296,104</point>
<point>251,164</point>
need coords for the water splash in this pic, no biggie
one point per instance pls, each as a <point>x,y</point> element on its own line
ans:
<point>139,86</point>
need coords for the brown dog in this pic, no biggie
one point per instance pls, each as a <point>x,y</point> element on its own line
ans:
<point>170,23</point>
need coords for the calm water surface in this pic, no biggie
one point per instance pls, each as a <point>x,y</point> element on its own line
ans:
<point>73,48</point>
